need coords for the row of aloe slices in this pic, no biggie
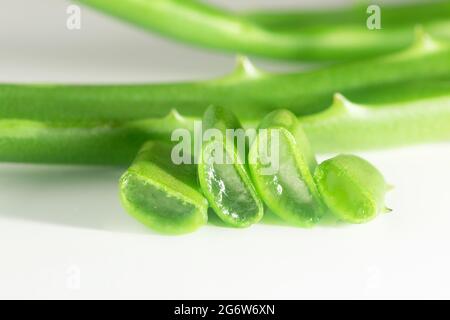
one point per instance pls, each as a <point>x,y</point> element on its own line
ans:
<point>280,171</point>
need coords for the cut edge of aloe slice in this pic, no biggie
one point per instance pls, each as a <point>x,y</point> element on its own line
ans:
<point>239,221</point>
<point>302,166</point>
<point>178,198</point>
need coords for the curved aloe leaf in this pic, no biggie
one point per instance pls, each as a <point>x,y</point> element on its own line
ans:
<point>248,92</point>
<point>393,16</point>
<point>398,115</point>
<point>202,24</point>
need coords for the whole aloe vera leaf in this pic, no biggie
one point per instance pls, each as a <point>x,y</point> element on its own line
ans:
<point>161,195</point>
<point>225,180</point>
<point>392,15</point>
<point>248,92</point>
<point>423,119</point>
<point>288,189</point>
<point>198,23</point>
<point>353,189</point>
<point>419,113</point>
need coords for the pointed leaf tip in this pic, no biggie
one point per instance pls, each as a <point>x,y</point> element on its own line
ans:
<point>339,99</point>
<point>340,102</point>
<point>387,210</point>
<point>245,68</point>
<point>423,40</point>
<point>174,115</point>
<point>342,105</point>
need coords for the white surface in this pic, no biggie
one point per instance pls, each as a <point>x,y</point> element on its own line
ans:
<point>56,222</point>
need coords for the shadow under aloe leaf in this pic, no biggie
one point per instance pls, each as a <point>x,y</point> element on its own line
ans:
<point>80,197</point>
<point>268,219</point>
<point>215,221</point>
<point>271,218</point>
<point>83,197</point>
<point>327,221</point>
<point>330,221</point>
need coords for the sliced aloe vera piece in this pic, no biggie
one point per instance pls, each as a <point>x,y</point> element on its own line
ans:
<point>353,189</point>
<point>281,164</point>
<point>225,179</point>
<point>162,195</point>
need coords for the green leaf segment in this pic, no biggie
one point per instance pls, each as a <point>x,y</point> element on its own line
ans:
<point>162,195</point>
<point>223,173</point>
<point>286,183</point>
<point>399,99</point>
<point>248,92</point>
<point>330,35</point>
<point>353,189</point>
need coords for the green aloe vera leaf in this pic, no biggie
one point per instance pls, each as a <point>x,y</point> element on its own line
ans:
<point>202,24</point>
<point>163,196</point>
<point>25,141</point>
<point>285,179</point>
<point>248,92</point>
<point>352,188</point>
<point>393,15</point>
<point>383,117</point>
<point>96,143</point>
<point>347,126</point>
<point>225,179</point>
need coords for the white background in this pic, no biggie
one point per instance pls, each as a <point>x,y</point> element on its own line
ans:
<point>59,225</point>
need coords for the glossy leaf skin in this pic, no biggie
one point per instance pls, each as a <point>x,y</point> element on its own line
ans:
<point>355,15</point>
<point>418,113</point>
<point>347,126</point>
<point>226,182</point>
<point>247,93</point>
<point>26,141</point>
<point>198,23</point>
<point>352,188</point>
<point>288,188</point>
<point>285,119</point>
<point>90,125</point>
<point>96,143</point>
<point>163,196</point>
